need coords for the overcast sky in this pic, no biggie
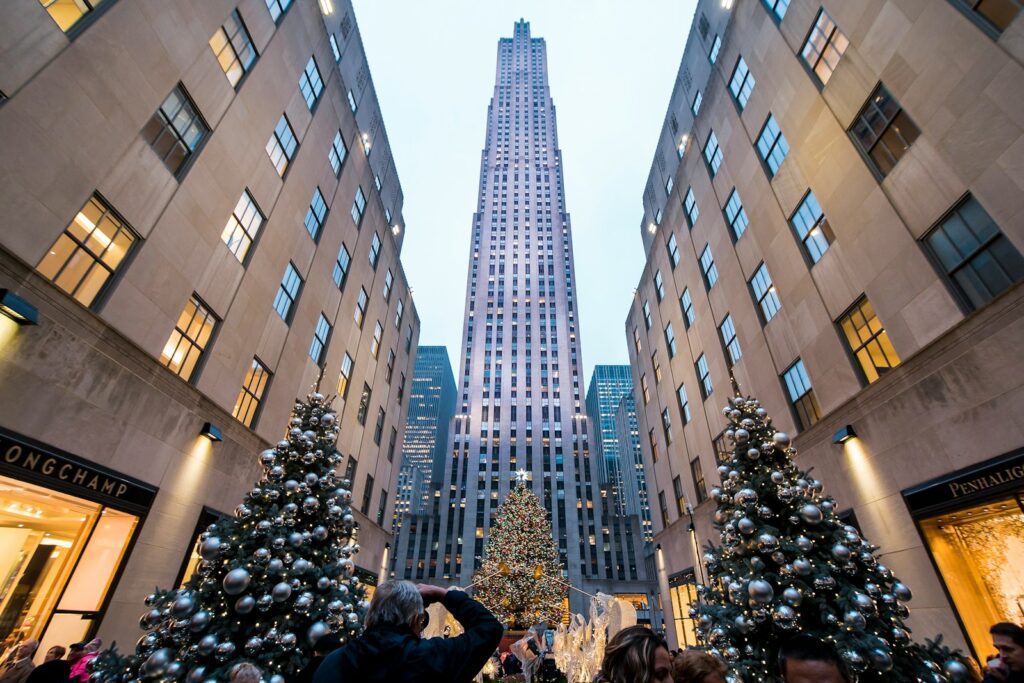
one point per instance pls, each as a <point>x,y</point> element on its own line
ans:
<point>612,66</point>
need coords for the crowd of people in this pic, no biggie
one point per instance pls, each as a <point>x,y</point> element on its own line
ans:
<point>60,665</point>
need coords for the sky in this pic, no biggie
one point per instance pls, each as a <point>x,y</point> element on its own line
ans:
<point>612,66</point>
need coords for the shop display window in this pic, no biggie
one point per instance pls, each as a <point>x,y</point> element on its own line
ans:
<point>683,592</point>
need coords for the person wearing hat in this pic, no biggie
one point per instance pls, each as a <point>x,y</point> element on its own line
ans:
<point>80,665</point>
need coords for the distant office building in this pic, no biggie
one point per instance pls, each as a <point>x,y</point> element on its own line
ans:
<point>608,384</point>
<point>634,479</point>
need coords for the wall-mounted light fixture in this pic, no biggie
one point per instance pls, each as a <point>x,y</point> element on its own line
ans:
<point>844,435</point>
<point>211,432</point>
<point>17,309</point>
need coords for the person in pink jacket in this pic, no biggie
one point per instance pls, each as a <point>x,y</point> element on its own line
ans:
<point>80,666</point>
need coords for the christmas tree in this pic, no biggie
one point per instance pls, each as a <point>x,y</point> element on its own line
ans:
<point>271,581</point>
<point>520,579</point>
<point>787,564</point>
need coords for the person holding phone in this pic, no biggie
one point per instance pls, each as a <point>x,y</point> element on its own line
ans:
<point>1008,666</point>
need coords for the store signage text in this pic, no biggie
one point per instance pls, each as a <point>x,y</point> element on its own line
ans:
<point>1006,476</point>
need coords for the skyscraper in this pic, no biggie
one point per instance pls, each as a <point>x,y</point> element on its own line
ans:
<point>635,499</point>
<point>608,385</point>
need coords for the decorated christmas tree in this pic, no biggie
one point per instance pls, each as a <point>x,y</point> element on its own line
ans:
<point>520,579</point>
<point>271,581</point>
<point>787,564</point>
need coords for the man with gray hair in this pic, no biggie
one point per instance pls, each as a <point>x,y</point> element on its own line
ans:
<point>391,649</point>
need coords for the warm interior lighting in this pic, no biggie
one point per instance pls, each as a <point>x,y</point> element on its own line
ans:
<point>327,7</point>
<point>211,432</point>
<point>844,435</point>
<point>727,4</point>
<point>100,236</point>
<point>17,309</point>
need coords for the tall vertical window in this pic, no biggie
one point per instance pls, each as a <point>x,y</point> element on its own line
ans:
<point>772,146</point>
<point>321,335</point>
<point>704,375</point>
<point>647,314</point>
<point>278,8</point>
<point>673,250</point>
<point>243,226</point>
<point>360,312</point>
<point>288,292</point>
<point>668,186</point>
<point>713,153</point>
<point>176,130</point>
<point>341,265</point>
<point>645,389</point>
<point>742,83</point>
<point>824,47</point>
<point>389,368</point>
<point>812,227</point>
<point>670,340</point>
<point>690,207</point>
<point>684,404</point>
<point>392,442</point>
<point>382,507</point>
<point>89,252</point>
<point>677,487</point>
<point>735,215</point>
<point>232,46</point>
<point>764,293</point>
<point>247,405</point>
<point>686,304</point>
<point>657,367</point>
<point>697,472</point>
<point>974,254</point>
<point>188,340</point>
<point>662,501</point>
<point>695,105</point>
<point>652,440</point>
<point>345,376</point>
<point>995,15</point>
<point>334,48</point>
<point>316,214</point>
<point>636,339</point>
<point>716,47</point>
<point>364,404</point>
<point>868,341</point>
<point>777,7</point>
<point>882,131</point>
<point>352,102</point>
<point>358,206</point>
<point>310,83</point>
<point>666,426</point>
<point>378,333</point>
<point>281,146</point>
<point>707,267</point>
<point>399,312</point>
<point>659,285</point>
<point>67,13</point>
<point>801,394</point>
<point>378,428</point>
<point>337,153</point>
<point>730,344</point>
<point>367,495</point>
<point>408,338</point>
<point>374,254</point>
<point>389,281</point>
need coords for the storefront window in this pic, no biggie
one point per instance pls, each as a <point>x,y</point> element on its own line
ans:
<point>683,591</point>
<point>188,568</point>
<point>970,547</point>
<point>61,555</point>
<point>640,604</point>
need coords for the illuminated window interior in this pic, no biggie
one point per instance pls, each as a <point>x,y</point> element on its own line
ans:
<point>684,595</point>
<point>67,12</point>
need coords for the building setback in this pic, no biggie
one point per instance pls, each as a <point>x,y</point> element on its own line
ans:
<point>834,219</point>
<point>200,201</point>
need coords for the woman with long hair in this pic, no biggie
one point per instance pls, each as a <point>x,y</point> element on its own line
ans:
<point>635,655</point>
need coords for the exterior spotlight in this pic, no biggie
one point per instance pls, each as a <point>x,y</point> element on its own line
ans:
<point>17,309</point>
<point>657,547</point>
<point>652,228</point>
<point>844,435</point>
<point>211,432</point>
<point>396,228</point>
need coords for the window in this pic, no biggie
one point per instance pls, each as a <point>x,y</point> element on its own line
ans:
<point>974,254</point>
<point>243,226</point>
<point>341,264</point>
<point>350,470</point>
<point>778,8</point>
<point>659,285</point>
<point>376,182</point>
<point>677,487</point>
<point>337,153</point>
<point>707,267</point>
<point>232,46</point>
<point>716,47</point>
<point>378,429</point>
<point>389,281</point>
<point>281,146</point>
<point>389,369</point>
<point>663,504</point>
<point>344,376</point>
<point>657,217</point>
<point>399,312</point>
<point>868,341</point>
<point>742,83</point>
<point>670,339</point>
<point>247,405</point>
<point>684,404</point>
<point>882,131</point>
<point>89,252</point>
<point>764,293</point>
<point>673,251</point>
<point>713,153</point>
<point>690,206</point>
<point>364,404</point>
<point>310,83</point>
<point>657,367</point>
<point>697,472</point>
<point>358,206</point>
<point>772,146</point>
<point>695,105</point>
<point>653,441</point>
<point>378,332</point>
<point>647,314</point>
<point>352,102</point>
<point>367,495</point>
<point>320,336</point>
<point>636,339</point>
<point>686,304</point>
<point>824,47</point>
<point>192,332</point>
<point>176,130</point>
<point>382,507</point>
<point>334,48</point>
<point>668,186</point>
<point>994,14</point>
<point>730,344</point>
<point>704,375</point>
<point>801,395</point>
<point>67,13</point>
<point>401,389</point>
<point>645,389</point>
<point>812,227</point>
<point>735,215</point>
<point>278,8</point>
<point>408,339</point>
<point>288,292</point>
<point>315,215</point>
<point>374,255</point>
<point>360,313</point>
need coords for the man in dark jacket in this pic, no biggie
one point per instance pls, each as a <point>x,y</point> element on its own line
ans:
<point>324,646</point>
<point>391,650</point>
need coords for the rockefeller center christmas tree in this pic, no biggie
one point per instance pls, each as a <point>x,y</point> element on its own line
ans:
<point>272,580</point>
<point>787,564</point>
<point>520,579</point>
